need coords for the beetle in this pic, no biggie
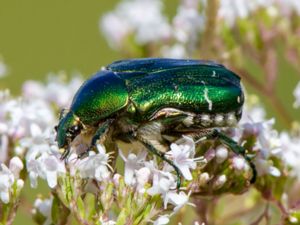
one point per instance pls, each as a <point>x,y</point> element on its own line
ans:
<point>150,100</point>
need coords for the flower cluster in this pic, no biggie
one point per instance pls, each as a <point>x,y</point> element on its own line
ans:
<point>147,182</point>
<point>129,26</point>
<point>26,125</point>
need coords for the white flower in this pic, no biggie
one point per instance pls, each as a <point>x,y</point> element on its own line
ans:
<point>188,23</point>
<point>291,152</point>
<point>142,177</point>
<point>231,10</point>
<point>182,157</point>
<point>267,139</point>
<point>239,163</point>
<point>131,17</point>
<point>47,167</point>
<point>178,200</point>
<point>94,166</point>
<point>53,166</point>
<point>266,167</point>
<point>162,183</point>
<point>55,91</point>
<point>115,29</point>
<point>177,51</point>
<point>132,163</point>
<point>162,220</point>
<point>15,166</point>
<point>252,114</point>
<point>3,147</point>
<point>106,221</point>
<point>297,92</point>
<point>6,181</point>
<point>44,206</point>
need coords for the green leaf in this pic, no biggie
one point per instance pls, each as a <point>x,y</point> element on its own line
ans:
<point>81,208</point>
<point>122,217</point>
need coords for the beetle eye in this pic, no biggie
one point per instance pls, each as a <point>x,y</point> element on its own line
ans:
<point>56,128</point>
<point>74,130</point>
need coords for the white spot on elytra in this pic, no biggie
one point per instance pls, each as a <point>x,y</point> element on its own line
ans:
<point>188,121</point>
<point>205,120</point>
<point>207,99</point>
<point>231,119</point>
<point>238,99</point>
<point>219,119</point>
<point>214,74</point>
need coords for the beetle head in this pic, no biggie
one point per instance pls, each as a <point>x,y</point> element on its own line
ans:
<point>68,128</point>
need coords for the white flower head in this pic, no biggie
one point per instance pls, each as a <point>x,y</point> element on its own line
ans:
<point>187,23</point>
<point>162,183</point>
<point>15,166</point>
<point>132,163</point>
<point>130,17</point>
<point>239,163</point>
<point>3,147</point>
<point>44,206</point>
<point>106,221</point>
<point>142,177</point>
<point>46,166</point>
<point>291,152</point>
<point>178,200</point>
<point>177,51</point>
<point>162,220</point>
<point>55,91</point>
<point>182,156</point>
<point>94,166</point>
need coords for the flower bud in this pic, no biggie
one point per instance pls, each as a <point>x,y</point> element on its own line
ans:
<point>221,154</point>
<point>15,166</point>
<point>203,179</point>
<point>219,182</point>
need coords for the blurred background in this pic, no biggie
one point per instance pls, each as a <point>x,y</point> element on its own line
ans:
<point>38,38</point>
<point>42,37</point>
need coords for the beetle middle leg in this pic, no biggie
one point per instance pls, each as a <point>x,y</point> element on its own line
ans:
<point>150,135</point>
<point>160,154</point>
<point>229,142</point>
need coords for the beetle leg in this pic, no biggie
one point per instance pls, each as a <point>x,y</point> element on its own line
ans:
<point>101,131</point>
<point>153,150</point>
<point>233,145</point>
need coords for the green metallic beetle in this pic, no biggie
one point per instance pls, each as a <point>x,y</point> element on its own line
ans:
<point>150,100</point>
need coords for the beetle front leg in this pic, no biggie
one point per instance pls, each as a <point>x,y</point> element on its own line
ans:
<point>233,145</point>
<point>101,131</point>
